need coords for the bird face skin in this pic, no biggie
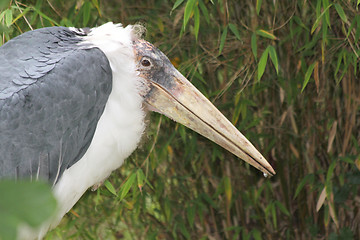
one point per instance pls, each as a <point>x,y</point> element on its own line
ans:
<point>168,92</point>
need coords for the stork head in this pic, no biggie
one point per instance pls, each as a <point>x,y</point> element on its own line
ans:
<point>168,92</point>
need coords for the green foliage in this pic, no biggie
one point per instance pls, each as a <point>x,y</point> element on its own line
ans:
<point>24,203</point>
<point>308,73</point>
<point>303,116</point>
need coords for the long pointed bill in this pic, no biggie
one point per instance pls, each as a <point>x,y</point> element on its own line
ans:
<point>186,105</point>
<point>171,94</point>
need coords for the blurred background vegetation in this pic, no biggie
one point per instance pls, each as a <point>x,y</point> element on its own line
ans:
<point>286,73</point>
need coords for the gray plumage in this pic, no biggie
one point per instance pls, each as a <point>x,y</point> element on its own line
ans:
<point>52,94</point>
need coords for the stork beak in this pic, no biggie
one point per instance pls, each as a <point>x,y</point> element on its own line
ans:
<point>172,95</point>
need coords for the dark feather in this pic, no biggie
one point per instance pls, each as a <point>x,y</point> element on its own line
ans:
<point>46,119</point>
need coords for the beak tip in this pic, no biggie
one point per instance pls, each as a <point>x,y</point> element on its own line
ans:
<point>270,171</point>
<point>267,169</point>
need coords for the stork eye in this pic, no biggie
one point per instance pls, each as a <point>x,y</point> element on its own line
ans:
<point>145,62</point>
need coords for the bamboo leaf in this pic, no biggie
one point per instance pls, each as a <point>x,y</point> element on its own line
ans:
<point>110,187</point>
<point>326,216</point>
<point>167,208</point>
<point>234,30</point>
<point>258,6</point>
<point>262,63</point>
<point>266,34</point>
<point>318,7</point>
<point>8,17</point>
<point>24,202</point>
<point>189,7</point>
<point>274,59</point>
<point>306,179</point>
<point>176,4</point>
<point>2,14</point>
<point>254,45</point>
<point>317,21</point>
<point>274,217</point>
<point>300,23</point>
<point>183,230</point>
<point>329,175</point>
<point>204,11</point>
<point>352,26</point>
<point>97,6</point>
<point>86,12</point>
<point>191,215</point>
<point>127,185</point>
<point>341,12</point>
<point>282,208</point>
<point>329,191</point>
<point>321,200</point>
<point>333,214</point>
<point>324,37</point>
<point>339,60</point>
<point>222,40</point>
<point>327,14</point>
<point>208,199</point>
<point>46,17</point>
<point>140,178</point>
<point>196,21</point>
<point>308,73</point>
<point>20,15</point>
<point>228,189</point>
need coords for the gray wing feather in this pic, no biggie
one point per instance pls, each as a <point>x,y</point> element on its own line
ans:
<point>52,94</point>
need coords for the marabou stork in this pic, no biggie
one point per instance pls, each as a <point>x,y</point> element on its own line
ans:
<point>73,102</point>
